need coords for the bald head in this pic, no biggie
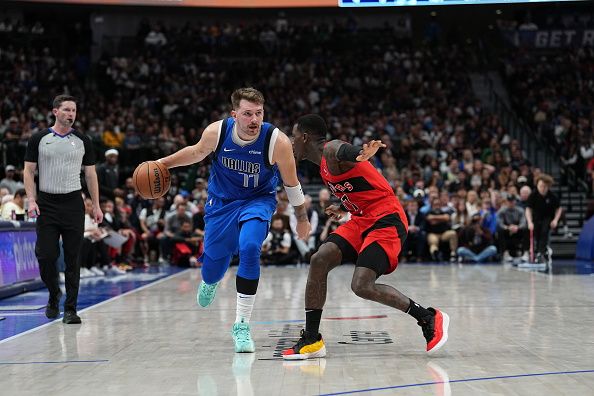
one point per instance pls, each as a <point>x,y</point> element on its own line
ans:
<point>525,192</point>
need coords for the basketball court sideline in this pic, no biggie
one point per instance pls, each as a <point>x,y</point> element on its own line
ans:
<point>512,333</point>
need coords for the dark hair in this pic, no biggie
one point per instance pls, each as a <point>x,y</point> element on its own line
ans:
<point>249,94</point>
<point>58,100</point>
<point>20,192</point>
<point>312,124</point>
<point>277,217</point>
<point>546,179</point>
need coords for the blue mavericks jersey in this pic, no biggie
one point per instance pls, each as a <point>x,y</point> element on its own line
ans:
<point>242,172</point>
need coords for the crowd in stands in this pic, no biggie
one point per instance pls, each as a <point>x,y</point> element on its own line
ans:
<point>554,90</point>
<point>451,163</point>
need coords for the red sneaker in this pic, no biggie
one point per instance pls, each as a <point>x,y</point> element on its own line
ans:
<point>435,329</point>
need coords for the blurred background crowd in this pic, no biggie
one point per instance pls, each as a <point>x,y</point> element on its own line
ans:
<point>461,175</point>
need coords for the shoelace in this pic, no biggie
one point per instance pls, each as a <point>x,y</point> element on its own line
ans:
<point>209,290</point>
<point>302,341</point>
<point>428,330</point>
<point>242,333</point>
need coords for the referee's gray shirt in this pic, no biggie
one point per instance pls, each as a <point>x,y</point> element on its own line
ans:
<point>59,159</point>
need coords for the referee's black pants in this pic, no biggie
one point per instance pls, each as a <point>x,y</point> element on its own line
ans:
<point>60,214</point>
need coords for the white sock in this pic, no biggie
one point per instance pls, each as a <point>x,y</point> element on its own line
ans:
<point>245,305</point>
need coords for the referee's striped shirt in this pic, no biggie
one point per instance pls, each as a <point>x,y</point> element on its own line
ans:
<point>59,159</point>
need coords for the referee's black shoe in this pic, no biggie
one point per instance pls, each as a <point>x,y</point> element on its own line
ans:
<point>52,309</point>
<point>70,317</point>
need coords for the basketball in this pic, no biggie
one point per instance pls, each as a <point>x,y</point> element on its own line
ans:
<point>151,179</point>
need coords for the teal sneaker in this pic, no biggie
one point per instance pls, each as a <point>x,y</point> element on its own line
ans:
<point>206,293</point>
<point>243,339</point>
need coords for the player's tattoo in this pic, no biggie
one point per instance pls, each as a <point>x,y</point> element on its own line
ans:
<point>315,293</point>
<point>335,166</point>
<point>301,213</point>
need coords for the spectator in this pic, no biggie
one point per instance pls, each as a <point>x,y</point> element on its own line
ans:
<point>277,245</point>
<point>117,221</point>
<point>108,174</point>
<point>306,248</point>
<point>156,37</point>
<point>11,139</point>
<point>473,203</point>
<point>512,230</point>
<point>320,208</point>
<point>489,216</point>
<point>525,193</point>
<point>185,245</point>
<point>9,182</point>
<point>152,225</point>
<point>460,218</point>
<point>199,193</point>
<point>14,209</point>
<point>173,227</point>
<point>93,245</point>
<point>416,241</point>
<point>330,226</point>
<point>439,230</point>
<point>282,210</point>
<point>476,242</point>
<point>112,137</point>
<point>3,193</point>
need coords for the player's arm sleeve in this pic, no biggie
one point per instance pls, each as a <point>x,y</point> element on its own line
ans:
<point>348,152</point>
<point>339,151</point>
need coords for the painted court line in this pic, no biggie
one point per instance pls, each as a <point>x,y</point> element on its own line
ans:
<point>267,322</point>
<point>358,317</point>
<point>460,380</point>
<point>59,362</point>
<point>167,277</point>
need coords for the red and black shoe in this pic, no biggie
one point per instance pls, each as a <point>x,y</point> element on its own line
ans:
<point>435,329</point>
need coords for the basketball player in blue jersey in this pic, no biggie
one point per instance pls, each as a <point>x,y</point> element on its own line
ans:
<point>248,155</point>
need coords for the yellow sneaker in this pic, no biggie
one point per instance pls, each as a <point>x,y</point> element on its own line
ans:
<point>307,347</point>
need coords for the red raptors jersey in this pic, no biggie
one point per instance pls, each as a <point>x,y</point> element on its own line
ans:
<point>363,191</point>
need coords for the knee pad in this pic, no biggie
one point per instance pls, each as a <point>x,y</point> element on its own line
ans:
<point>252,235</point>
<point>214,270</point>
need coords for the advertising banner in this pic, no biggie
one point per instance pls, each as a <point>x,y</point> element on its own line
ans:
<point>17,257</point>
<point>559,38</point>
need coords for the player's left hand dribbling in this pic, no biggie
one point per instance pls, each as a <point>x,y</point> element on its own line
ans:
<point>369,150</point>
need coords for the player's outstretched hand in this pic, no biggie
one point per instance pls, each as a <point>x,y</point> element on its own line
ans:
<point>303,230</point>
<point>369,150</point>
<point>334,211</point>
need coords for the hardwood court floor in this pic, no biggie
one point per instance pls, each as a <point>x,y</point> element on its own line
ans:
<point>511,333</point>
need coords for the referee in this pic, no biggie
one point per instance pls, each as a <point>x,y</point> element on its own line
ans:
<point>58,153</point>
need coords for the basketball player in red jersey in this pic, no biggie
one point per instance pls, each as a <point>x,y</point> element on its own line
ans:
<point>372,238</point>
